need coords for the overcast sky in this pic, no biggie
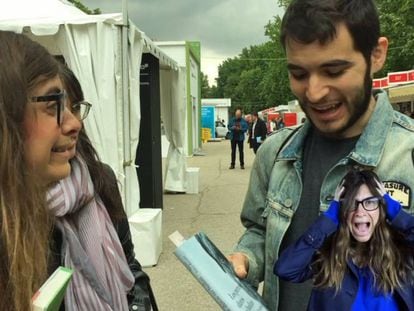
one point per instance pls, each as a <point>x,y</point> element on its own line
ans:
<point>224,27</point>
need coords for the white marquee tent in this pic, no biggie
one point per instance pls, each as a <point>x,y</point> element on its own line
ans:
<point>105,54</point>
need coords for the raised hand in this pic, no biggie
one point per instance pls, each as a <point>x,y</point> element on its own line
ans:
<point>393,206</point>
<point>333,209</point>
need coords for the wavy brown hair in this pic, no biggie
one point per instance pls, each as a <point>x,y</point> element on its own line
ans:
<point>25,223</point>
<point>386,254</point>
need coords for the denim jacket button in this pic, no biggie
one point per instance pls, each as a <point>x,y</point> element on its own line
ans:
<point>288,203</point>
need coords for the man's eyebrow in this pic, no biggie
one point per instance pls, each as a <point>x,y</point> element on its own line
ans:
<point>291,66</point>
<point>329,64</point>
<point>337,63</point>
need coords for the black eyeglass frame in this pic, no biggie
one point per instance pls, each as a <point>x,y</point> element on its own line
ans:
<point>59,98</point>
<point>357,203</point>
<point>85,103</point>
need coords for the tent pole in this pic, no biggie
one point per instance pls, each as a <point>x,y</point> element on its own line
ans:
<point>125,101</point>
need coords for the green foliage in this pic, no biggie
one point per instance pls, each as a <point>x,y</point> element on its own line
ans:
<point>397,24</point>
<point>84,8</point>
<point>257,78</point>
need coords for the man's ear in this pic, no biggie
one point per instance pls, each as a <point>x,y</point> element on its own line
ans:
<point>379,55</point>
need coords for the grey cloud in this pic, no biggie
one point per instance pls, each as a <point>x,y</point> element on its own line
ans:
<point>224,27</point>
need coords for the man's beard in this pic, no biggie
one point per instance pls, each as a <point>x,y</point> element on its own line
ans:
<point>358,106</point>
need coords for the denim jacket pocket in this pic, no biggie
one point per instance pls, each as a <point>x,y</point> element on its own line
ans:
<point>285,210</point>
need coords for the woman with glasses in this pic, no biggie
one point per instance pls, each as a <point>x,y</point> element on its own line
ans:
<point>46,218</point>
<point>102,191</point>
<point>359,253</point>
<point>38,136</point>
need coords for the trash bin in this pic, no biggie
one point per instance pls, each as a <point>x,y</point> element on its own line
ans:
<point>146,234</point>
<point>192,179</point>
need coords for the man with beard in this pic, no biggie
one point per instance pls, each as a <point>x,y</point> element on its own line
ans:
<point>333,49</point>
<point>237,127</point>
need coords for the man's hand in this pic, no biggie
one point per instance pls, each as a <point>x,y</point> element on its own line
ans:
<point>240,264</point>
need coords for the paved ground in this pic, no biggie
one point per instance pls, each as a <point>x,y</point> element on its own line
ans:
<point>215,210</point>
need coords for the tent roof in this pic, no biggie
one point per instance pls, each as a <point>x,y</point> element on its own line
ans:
<point>43,17</point>
<point>401,94</point>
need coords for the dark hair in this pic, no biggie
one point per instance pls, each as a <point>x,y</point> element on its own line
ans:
<point>307,21</point>
<point>254,113</point>
<point>101,174</point>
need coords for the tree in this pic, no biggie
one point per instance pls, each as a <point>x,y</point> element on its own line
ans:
<point>84,8</point>
<point>397,24</point>
<point>257,78</point>
<point>205,88</point>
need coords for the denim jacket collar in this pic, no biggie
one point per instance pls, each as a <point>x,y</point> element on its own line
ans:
<point>370,145</point>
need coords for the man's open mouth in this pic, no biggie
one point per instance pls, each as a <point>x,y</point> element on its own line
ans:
<point>327,108</point>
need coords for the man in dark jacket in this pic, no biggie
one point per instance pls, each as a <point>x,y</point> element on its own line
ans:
<point>257,132</point>
<point>237,127</point>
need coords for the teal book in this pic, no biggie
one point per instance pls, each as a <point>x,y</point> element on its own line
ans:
<point>215,273</point>
<point>50,296</point>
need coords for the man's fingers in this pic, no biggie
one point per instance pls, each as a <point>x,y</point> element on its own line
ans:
<point>240,264</point>
<point>241,271</point>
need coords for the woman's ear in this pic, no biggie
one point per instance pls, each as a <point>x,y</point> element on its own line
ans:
<point>379,55</point>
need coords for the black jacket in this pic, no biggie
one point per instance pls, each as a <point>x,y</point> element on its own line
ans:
<point>260,130</point>
<point>141,297</point>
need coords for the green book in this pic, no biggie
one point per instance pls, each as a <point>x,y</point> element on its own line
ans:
<point>50,296</point>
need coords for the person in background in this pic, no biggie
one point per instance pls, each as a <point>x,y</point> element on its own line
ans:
<point>257,132</point>
<point>280,123</point>
<point>237,127</point>
<point>273,126</point>
<point>359,253</point>
<point>106,192</point>
<point>333,49</point>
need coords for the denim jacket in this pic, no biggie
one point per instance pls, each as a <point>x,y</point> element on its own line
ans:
<point>275,187</point>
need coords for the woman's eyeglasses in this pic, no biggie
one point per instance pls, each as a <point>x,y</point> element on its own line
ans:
<point>369,204</point>
<point>81,109</point>
<point>58,102</point>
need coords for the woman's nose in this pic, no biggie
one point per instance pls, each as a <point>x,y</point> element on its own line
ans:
<point>359,209</point>
<point>70,123</point>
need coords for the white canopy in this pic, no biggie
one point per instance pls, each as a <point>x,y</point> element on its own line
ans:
<point>94,49</point>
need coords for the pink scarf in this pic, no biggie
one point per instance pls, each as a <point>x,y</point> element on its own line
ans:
<point>91,246</point>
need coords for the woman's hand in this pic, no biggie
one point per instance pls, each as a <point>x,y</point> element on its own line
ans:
<point>333,209</point>
<point>393,206</point>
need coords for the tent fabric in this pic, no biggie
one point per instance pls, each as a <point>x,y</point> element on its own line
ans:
<point>401,93</point>
<point>173,111</point>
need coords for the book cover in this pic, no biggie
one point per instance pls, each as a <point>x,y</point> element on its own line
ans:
<point>50,296</point>
<point>215,273</point>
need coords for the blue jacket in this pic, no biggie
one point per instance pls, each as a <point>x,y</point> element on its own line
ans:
<point>294,265</point>
<point>238,132</point>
